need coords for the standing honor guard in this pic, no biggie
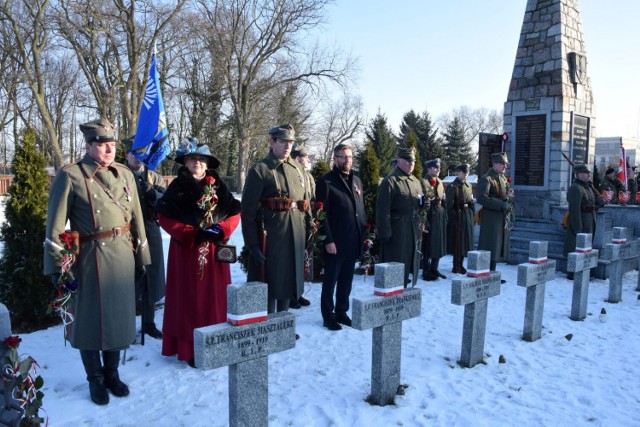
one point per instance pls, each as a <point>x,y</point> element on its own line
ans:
<point>434,239</point>
<point>460,209</point>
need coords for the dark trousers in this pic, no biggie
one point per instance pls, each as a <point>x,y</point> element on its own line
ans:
<point>338,276</point>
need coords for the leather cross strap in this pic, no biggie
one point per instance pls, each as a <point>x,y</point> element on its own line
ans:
<point>114,232</point>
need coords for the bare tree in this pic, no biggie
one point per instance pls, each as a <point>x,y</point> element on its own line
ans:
<point>339,122</point>
<point>261,49</point>
<point>473,121</point>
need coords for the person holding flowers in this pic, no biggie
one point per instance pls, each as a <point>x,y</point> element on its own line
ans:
<point>343,226</point>
<point>199,212</point>
<point>95,276</point>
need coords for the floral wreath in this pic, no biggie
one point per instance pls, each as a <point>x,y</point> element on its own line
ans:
<point>67,284</point>
<point>314,239</point>
<point>208,202</point>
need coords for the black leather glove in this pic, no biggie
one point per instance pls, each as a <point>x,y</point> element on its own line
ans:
<point>212,233</point>
<point>148,191</point>
<point>256,254</point>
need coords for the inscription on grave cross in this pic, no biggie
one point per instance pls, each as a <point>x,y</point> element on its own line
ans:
<point>473,292</point>
<point>580,264</point>
<point>244,348</point>
<point>534,276</point>
<point>384,313</point>
<point>616,253</point>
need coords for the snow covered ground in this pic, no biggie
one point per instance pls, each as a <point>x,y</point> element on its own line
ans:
<point>591,380</point>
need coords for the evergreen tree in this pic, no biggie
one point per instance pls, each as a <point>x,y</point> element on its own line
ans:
<point>370,176</point>
<point>429,144</point>
<point>383,142</point>
<point>411,140</point>
<point>23,288</point>
<point>320,169</point>
<point>456,150</point>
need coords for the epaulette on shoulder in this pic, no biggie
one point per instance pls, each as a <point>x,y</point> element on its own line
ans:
<point>70,165</point>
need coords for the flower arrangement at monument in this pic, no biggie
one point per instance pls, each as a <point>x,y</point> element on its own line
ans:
<point>67,284</point>
<point>368,259</point>
<point>511,216</point>
<point>314,240</point>
<point>19,374</point>
<point>208,203</point>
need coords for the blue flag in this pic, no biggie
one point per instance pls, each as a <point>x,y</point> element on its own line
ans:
<point>151,143</point>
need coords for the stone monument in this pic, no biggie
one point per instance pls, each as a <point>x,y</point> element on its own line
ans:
<point>384,313</point>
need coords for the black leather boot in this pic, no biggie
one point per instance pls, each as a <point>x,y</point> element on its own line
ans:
<point>95,376</point>
<point>111,377</point>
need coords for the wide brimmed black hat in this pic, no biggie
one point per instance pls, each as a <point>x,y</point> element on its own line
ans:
<point>192,147</point>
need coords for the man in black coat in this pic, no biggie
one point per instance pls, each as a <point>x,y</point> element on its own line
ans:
<point>340,192</point>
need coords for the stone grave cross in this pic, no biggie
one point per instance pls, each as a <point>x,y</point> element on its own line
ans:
<point>244,347</point>
<point>473,292</point>
<point>616,253</point>
<point>580,264</point>
<point>534,276</point>
<point>384,313</point>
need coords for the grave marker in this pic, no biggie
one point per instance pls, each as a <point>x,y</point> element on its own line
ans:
<point>244,348</point>
<point>474,292</point>
<point>534,276</point>
<point>616,253</point>
<point>385,314</point>
<point>580,264</point>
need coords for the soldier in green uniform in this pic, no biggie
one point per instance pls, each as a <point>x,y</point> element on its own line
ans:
<point>583,203</point>
<point>497,209</point>
<point>434,237</point>
<point>612,184</point>
<point>398,200</point>
<point>99,198</point>
<point>274,201</point>
<point>150,288</point>
<point>460,209</point>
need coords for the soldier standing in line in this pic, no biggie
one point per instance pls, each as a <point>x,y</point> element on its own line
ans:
<point>274,201</point>
<point>460,209</point>
<point>612,184</point>
<point>497,209</point>
<point>99,198</point>
<point>434,238</point>
<point>151,287</point>
<point>398,200</point>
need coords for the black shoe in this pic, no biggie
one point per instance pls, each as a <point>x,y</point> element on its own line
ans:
<point>304,301</point>
<point>425,275</point>
<point>98,391</point>
<point>569,276</point>
<point>502,281</point>
<point>332,325</point>
<point>151,330</point>
<point>297,337</point>
<point>113,383</point>
<point>294,304</point>
<point>344,319</point>
<point>192,362</point>
<point>437,273</point>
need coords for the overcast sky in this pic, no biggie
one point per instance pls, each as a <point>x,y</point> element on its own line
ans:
<point>436,55</point>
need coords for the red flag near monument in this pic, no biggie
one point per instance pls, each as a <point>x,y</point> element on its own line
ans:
<point>622,168</point>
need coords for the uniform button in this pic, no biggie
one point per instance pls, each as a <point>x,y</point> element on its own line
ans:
<point>97,210</point>
<point>95,195</point>
<point>100,228</point>
<point>102,243</point>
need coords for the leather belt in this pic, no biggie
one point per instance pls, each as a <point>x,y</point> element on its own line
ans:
<point>282,204</point>
<point>114,232</point>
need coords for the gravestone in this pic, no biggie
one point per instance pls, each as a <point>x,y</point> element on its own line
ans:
<point>10,411</point>
<point>616,253</point>
<point>474,292</point>
<point>534,276</point>
<point>244,347</point>
<point>384,313</point>
<point>580,264</point>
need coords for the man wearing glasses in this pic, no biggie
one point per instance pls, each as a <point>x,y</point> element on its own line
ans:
<point>275,212</point>
<point>340,191</point>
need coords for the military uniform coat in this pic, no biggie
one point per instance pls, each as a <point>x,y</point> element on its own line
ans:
<point>155,275</point>
<point>492,195</point>
<point>104,304</point>
<point>436,229</point>
<point>582,215</point>
<point>397,204</point>
<point>286,230</point>
<point>460,222</point>
<point>614,185</point>
<point>193,300</point>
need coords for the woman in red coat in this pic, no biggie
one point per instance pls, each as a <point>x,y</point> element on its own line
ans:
<point>198,211</point>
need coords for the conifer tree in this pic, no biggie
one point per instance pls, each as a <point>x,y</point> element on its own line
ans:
<point>370,176</point>
<point>429,144</point>
<point>456,150</point>
<point>23,288</point>
<point>383,142</point>
<point>320,169</point>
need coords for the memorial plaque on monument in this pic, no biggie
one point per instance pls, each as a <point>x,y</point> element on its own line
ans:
<point>488,143</point>
<point>474,292</point>
<point>384,314</point>
<point>530,150</point>
<point>245,349</point>
<point>580,138</point>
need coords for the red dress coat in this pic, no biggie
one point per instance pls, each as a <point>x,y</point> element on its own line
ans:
<point>192,301</point>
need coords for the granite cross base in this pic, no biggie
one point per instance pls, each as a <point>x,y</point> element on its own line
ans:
<point>580,264</point>
<point>474,292</point>
<point>385,314</point>
<point>534,276</point>
<point>616,253</point>
<point>244,348</point>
